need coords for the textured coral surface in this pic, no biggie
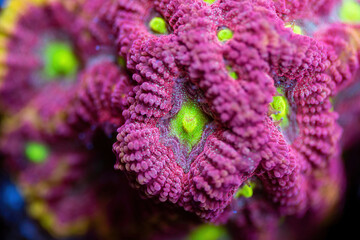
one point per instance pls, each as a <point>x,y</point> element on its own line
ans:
<point>217,112</point>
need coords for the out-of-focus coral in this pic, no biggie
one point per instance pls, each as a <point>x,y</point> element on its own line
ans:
<point>43,43</point>
<point>293,10</point>
<point>69,188</point>
<point>65,56</point>
<point>101,98</point>
<point>347,105</point>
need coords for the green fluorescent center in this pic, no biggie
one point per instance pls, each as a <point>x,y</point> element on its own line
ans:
<point>59,60</point>
<point>281,106</point>
<point>231,73</point>
<point>158,25</point>
<point>189,123</point>
<point>350,11</point>
<point>121,61</point>
<point>245,191</point>
<point>208,232</point>
<point>36,152</point>
<point>296,29</point>
<point>224,34</point>
<point>209,1</point>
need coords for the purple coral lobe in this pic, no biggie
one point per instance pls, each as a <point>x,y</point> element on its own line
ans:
<point>244,141</point>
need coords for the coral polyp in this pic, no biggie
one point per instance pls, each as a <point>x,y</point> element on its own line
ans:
<point>158,25</point>
<point>281,107</point>
<point>224,34</point>
<point>350,11</point>
<point>59,60</point>
<point>36,152</point>
<point>44,41</point>
<point>188,124</point>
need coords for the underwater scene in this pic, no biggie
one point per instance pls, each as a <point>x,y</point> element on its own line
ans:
<point>179,119</point>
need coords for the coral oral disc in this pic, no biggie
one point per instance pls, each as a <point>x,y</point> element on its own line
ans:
<point>209,1</point>
<point>59,60</point>
<point>224,34</point>
<point>158,25</point>
<point>350,11</point>
<point>281,106</point>
<point>36,152</point>
<point>189,123</point>
<point>245,191</point>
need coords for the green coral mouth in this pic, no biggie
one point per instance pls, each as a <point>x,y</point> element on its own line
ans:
<point>245,191</point>
<point>225,34</point>
<point>59,60</point>
<point>158,25</point>
<point>350,11</point>
<point>36,152</point>
<point>281,106</point>
<point>188,125</point>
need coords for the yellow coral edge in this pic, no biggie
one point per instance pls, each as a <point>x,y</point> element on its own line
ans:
<point>39,210</point>
<point>8,19</point>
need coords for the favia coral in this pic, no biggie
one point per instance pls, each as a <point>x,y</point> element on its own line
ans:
<point>222,112</point>
<point>230,77</point>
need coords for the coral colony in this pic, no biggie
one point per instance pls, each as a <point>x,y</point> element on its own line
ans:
<point>178,119</point>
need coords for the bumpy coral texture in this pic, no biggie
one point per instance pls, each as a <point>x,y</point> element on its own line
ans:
<point>101,98</point>
<point>293,10</point>
<point>245,141</point>
<point>344,50</point>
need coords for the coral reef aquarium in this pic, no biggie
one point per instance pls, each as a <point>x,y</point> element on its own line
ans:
<point>179,119</point>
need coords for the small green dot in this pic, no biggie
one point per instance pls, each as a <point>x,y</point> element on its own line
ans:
<point>188,124</point>
<point>281,106</point>
<point>210,1</point>
<point>224,34</point>
<point>36,152</point>
<point>231,73</point>
<point>350,11</point>
<point>208,232</point>
<point>245,191</point>
<point>158,25</point>
<point>121,61</point>
<point>59,60</point>
<point>295,28</point>
<point>332,104</point>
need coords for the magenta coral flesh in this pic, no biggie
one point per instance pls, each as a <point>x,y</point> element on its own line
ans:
<point>222,112</point>
<point>40,37</point>
<point>243,141</point>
